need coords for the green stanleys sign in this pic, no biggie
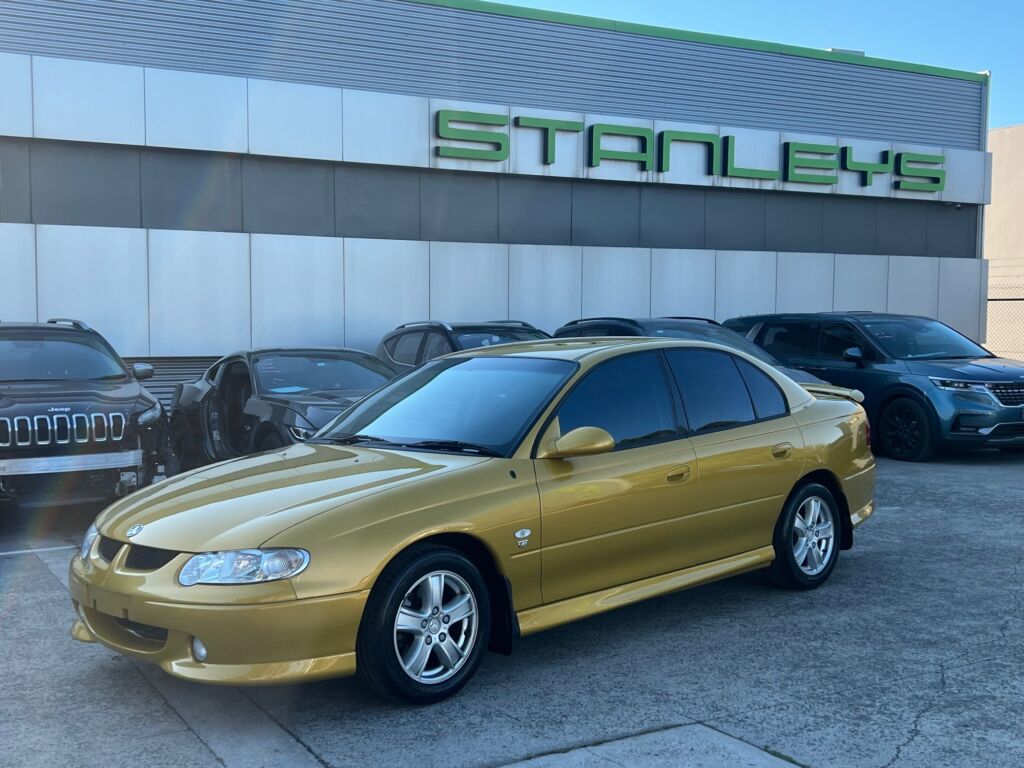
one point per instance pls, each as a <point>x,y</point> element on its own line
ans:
<point>800,161</point>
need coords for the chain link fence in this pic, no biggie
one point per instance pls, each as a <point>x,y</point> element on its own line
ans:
<point>1006,308</point>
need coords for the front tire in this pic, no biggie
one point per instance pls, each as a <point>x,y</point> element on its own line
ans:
<point>807,539</point>
<point>426,626</point>
<point>905,431</point>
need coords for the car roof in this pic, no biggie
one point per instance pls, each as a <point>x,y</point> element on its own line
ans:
<point>489,325</point>
<point>640,321</point>
<point>849,315</point>
<point>14,325</point>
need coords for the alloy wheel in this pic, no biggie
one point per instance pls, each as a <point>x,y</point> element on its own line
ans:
<point>813,535</point>
<point>436,627</point>
<point>902,431</point>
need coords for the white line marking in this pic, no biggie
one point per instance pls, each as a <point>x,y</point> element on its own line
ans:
<point>39,549</point>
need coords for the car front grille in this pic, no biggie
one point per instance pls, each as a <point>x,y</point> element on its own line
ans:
<point>1010,393</point>
<point>108,548</point>
<point>145,631</point>
<point>55,429</point>
<point>1008,430</point>
<point>148,558</point>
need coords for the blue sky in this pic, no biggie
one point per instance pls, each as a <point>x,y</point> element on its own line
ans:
<point>972,36</point>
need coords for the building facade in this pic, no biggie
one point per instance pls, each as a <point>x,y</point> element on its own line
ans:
<point>196,177</point>
<point>1004,243</point>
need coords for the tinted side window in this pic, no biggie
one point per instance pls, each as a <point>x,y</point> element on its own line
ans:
<point>437,345</point>
<point>406,347</point>
<point>627,396</point>
<point>769,402</point>
<point>713,390</point>
<point>786,340</point>
<point>836,338</point>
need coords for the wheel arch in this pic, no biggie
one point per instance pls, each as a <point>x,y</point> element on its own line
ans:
<point>828,479</point>
<point>897,391</point>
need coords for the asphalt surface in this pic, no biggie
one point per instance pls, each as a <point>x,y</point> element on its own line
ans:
<point>912,655</point>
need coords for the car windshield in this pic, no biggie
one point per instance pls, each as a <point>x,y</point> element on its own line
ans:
<point>481,404</point>
<point>296,374</point>
<point>46,356</point>
<point>914,338</point>
<point>709,332</point>
<point>488,338</point>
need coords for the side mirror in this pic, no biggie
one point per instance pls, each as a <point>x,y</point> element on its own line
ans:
<point>582,441</point>
<point>142,371</point>
<point>854,355</point>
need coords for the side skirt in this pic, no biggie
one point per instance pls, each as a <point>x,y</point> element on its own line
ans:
<point>565,611</point>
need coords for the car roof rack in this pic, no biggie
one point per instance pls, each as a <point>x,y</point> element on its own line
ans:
<point>76,324</point>
<point>440,323</point>
<point>691,317</point>
<point>519,323</point>
<point>629,320</point>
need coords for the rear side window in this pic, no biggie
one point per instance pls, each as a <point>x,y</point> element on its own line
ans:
<point>404,348</point>
<point>437,345</point>
<point>713,390</point>
<point>628,396</point>
<point>836,338</point>
<point>788,340</point>
<point>769,402</point>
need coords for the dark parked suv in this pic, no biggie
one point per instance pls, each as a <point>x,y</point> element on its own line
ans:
<point>925,385</point>
<point>413,343</point>
<point>75,423</point>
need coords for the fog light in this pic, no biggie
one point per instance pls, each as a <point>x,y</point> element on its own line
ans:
<point>198,649</point>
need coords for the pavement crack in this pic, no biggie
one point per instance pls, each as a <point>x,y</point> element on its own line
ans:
<point>593,743</point>
<point>312,753</point>
<point>915,725</point>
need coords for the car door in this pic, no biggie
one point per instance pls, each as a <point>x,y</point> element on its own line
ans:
<point>869,375</point>
<point>793,342</point>
<point>188,433</point>
<point>748,449</point>
<point>219,418</point>
<point>617,517</point>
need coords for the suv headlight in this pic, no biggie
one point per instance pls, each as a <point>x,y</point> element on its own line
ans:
<point>150,415</point>
<point>90,536</point>
<point>243,566</point>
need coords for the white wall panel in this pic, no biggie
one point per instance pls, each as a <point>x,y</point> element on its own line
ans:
<point>744,283</point>
<point>682,282</point>
<point>528,146</point>
<point>460,164</point>
<point>807,138</point>
<point>468,281</point>
<point>193,110</point>
<point>913,285</point>
<point>616,281</point>
<point>18,267</point>
<point>15,94</point>
<point>688,161</point>
<point>88,101</point>
<point>544,284</point>
<point>294,120</point>
<point>199,292</point>
<point>965,176</point>
<point>962,289</point>
<point>386,283</point>
<point>866,151</point>
<point>761,150</point>
<point>861,283</point>
<point>386,129</point>
<point>621,170</point>
<point>298,291</point>
<point>805,282</point>
<point>97,275</point>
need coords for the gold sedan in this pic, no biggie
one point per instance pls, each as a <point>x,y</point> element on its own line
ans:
<point>483,496</point>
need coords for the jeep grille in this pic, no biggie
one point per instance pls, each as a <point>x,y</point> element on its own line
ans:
<point>61,429</point>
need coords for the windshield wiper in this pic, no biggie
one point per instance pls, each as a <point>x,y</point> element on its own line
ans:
<point>454,445</point>
<point>350,439</point>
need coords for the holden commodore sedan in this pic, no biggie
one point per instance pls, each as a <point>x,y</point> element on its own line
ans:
<point>480,497</point>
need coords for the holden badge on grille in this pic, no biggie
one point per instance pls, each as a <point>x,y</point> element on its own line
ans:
<point>134,530</point>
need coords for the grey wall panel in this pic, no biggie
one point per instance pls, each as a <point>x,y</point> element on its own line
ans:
<point>671,217</point>
<point>288,197</point>
<point>735,219</point>
<point>848,225</point>
<point>793,223</point>
<point>85,184</point>
<point>377,202</point>
<point>605,214</point>
<point>902,228</point>
<point>458,207</point>
<point>15,188</point>
<point>952,231</point>
<point>534,211</point>
<point>401,47</point>
<point>191,190</point>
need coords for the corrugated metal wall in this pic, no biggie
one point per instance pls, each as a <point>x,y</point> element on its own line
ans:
<point>390,45</point>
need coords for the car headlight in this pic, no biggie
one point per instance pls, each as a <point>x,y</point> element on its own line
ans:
<point>90,536</point>
<point>300,434</point>
<point>957,385</point>
<point>243,566</point>
<point>150,415</point>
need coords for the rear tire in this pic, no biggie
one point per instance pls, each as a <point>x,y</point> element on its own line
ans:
<point>905,431</point>
<point>808,537</point>
<point>398,657</point>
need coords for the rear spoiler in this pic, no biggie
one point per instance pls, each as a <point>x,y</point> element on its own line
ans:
<point>829,389</point>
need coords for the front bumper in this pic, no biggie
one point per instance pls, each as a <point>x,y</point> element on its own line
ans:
<point>976,419</point>
<point>274,639</point>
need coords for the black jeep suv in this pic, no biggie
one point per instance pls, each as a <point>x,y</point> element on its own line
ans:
<point>75,424</point>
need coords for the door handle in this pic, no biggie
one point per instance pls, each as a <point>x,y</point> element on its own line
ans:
<point>782,450</point>
<point>678,474</point>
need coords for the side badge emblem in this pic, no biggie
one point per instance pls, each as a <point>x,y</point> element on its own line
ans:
<point>134,530</point>
<point>522,537</point>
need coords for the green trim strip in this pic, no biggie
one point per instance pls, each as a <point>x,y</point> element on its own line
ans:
<point>591,22</point>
